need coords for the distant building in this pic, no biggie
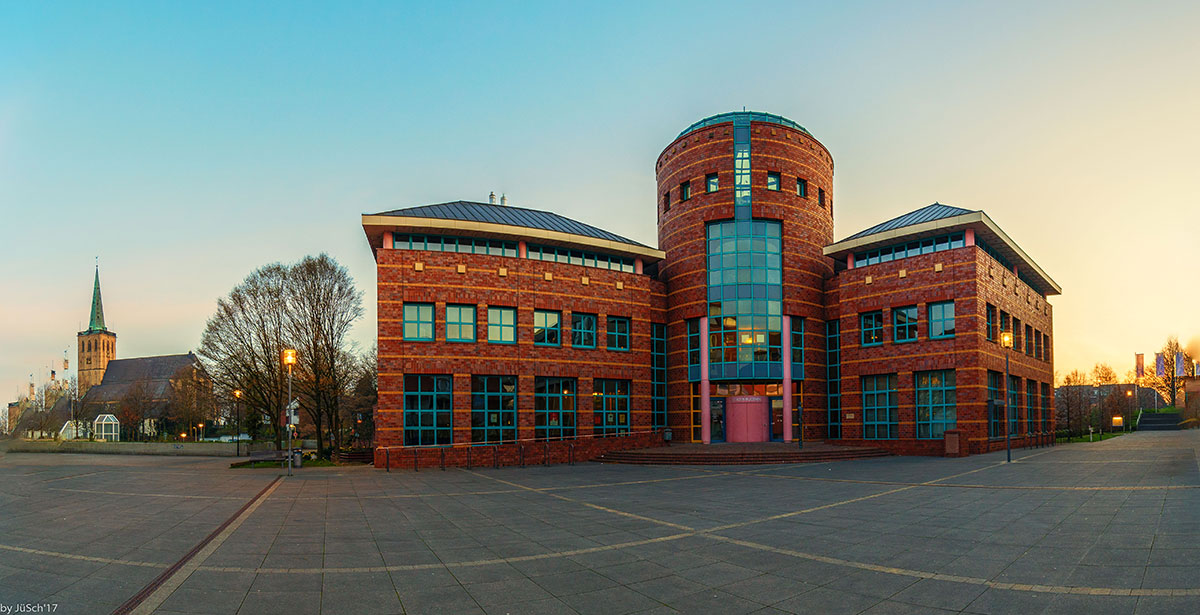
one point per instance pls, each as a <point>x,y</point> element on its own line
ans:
<point>97,345</point>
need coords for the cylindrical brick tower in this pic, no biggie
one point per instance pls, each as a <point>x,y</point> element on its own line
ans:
<point>745,206</point>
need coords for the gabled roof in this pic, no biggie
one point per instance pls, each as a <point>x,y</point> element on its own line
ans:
<point>929,213</point>
<point>471,211</point>
<point>154,372</point>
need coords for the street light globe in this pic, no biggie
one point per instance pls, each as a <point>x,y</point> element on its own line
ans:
<point>1128,393</point>
<point>1006,339</point>
<point>237,393</point>
<point>289,356</point>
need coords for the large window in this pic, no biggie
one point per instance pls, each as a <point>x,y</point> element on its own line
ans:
<point>462,245</point>
<point>547,328</point>
<point>941,320</point>
<point>493,409</point>
<point>904,324</point>
<point>610,406</point>
<point>583,330</point>
<point>833,376</point>
<point>1029,340</point>
<point>995,392</point>
<point>908,249</point>
<point>711,183</point>
<point>658,375</point>
<point>460,323</point>
<point>744,299</point>
<point>1014,403</point>
<point>797,348</point>
<point>553,408</point>
<point>1033,420</point>
<point>991,322</point>
<point>773,180</point>
<point>871,328</point>
<point>418,322</point>
<point>502,325</point>
<point>879,399</point>
<point>693,348</point>
<point>618,333</point>
<point>936,403</point>
<point>1046,407</point>
<point>428,410</point>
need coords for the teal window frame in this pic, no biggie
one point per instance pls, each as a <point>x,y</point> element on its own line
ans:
<point>936,402</point>
<point>428,410</point>
<point>583,330</point>
<point>693,348</point>
<point>658,375</point>
<point>1014,400</point>
<point>1032,407</point>
<point>990,316</point>
<point>1045,407</point>
<point>995,393</point>
<point>547,328</point>
<point>802,187</point>
<point>833,377</point>
<point>610,407</point>
<point>870,326</point>
<point>619,332</point>
<point>1029,340</point>
<point>461,245</point>
<point>797,357</point>
<point>745,307</point>
<point>880,407</point>
<point>712,182</point>
<point>774,181</point>
<point>460,323</point>
<point>502,323</point>
<point>909,249</point>
<point>493,409</point>
<point>554,409</point>
<point>567,256</point>
<point>418,319</point>
<point>941,320</point>
<point>904,324</point>
<point>685,190</point>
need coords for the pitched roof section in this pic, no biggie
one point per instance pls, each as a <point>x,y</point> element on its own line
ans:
<point>929,213</point>
<point>97,320</point>
<point>470,211</point>
<point>154,372</point>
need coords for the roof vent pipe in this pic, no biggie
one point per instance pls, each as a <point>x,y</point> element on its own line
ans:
<point>492,198</point>
<point>504,199</point>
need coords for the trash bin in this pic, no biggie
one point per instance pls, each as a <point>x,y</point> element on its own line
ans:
<point>297,458</point>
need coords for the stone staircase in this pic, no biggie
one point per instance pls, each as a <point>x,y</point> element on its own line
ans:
<point>741,454</point>
<point>1159,421</point>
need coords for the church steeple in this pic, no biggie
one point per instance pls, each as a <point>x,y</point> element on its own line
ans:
<point>97,321</point>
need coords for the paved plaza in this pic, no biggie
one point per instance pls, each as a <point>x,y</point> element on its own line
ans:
<point>1109,527</point>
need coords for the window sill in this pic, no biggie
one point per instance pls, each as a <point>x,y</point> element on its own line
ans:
<point>460,341</point>
<point>871,344</point>
<point>942,337</point>
<point>417,340</point>
<point>913,341</point>
<point>502,343</point>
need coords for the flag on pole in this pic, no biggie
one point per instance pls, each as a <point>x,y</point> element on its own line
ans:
<point>1160,367</point>
<point>1179,365</point>
<point>1140,368</point>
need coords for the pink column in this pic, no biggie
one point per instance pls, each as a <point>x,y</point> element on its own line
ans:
<point>970,237</point>
<point>637,266</point>
<point>387,240</point>
<point>787,378</point>
<point>849,261</point>
<point>705,402</point>
<point>521,249</point>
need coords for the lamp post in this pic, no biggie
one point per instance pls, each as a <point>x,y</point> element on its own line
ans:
<point>1128,394</point>
<point>289,359</point>
<point>201,431</point>
<point>1006,340</point>
<point>237,427</point>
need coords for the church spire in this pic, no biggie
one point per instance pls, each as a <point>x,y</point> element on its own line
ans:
<point>97,322</point>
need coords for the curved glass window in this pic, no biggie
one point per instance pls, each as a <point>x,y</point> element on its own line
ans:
<point>745,290</point>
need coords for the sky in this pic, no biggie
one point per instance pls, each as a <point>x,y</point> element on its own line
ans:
<point>186,144</point>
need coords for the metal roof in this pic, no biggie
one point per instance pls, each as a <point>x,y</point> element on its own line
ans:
<point>753,116</point>
<point>471,211</point>
<point>936,211</point>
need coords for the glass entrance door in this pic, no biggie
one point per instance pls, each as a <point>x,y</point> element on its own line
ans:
<point>777,419</point>
<point>717,417</point>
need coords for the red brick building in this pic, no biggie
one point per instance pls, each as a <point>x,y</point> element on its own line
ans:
<point>497,324</point>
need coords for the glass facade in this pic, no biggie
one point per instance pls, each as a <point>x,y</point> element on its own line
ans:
<point>797,348</point>
<point>833,376</point>
<point>879,407</point>
<point>741,168</point>
<point>493,409</point>
<point>937,408</point>
<point>745,272</point>
<point>428,403</point>
<point>610,406</point>
<point>693,349</point>
<point>658,375</point>
<point>554,408</point>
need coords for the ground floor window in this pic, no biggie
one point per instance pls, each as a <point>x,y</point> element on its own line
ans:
<point>1032,410</point>
<point>553,408</point>
<point>428,404</point>
<point>879,401</point>
<point>995,386</point>
<point>1014,404</point>
<point>493,409</point>
<point>937,408</point>
<point>1045,407</point>
<point>610,406</point>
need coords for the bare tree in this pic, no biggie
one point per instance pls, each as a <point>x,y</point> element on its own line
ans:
<point>244,340</point>
<point>1075,398</point>
<point>1170,386</point>
<point>192,401</point>
<point>134,408</point>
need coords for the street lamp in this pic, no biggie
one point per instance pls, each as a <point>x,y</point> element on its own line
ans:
<point>200,426</point>
<point>237,428</point>
<point>1128,394</point>
<point>289,359</point>
<point>1006,340</point>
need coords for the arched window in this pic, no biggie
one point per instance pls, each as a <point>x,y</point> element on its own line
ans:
<point>89,345</point>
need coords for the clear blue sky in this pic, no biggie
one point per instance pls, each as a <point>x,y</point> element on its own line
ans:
<point>186,144</point>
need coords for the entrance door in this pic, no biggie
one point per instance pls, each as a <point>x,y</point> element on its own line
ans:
<point>747,418</point>
<point>716,412</point>
<point>777,419</point>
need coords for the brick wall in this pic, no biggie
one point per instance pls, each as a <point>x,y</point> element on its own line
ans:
<point>513,454</point>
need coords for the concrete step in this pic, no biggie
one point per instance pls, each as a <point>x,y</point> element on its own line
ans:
<point>660,457</point>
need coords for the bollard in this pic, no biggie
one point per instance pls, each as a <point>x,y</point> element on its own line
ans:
<point>469,449</point>
<point>387,459</point>
<point>495,457</point>
<point>521,448</point>
<point>571,454</point>
<point>443,460</point>
<point>546,455</point>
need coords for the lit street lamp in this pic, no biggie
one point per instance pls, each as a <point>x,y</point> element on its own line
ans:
<point>237,428</point>
<point>289,359</point>
<point>1006,340</point>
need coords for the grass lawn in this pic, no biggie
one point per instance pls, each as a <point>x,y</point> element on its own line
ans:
<point>1096,437</point>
